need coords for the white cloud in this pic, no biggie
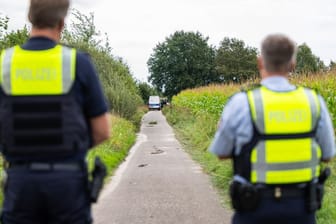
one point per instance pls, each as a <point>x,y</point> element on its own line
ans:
<point>135,27</point>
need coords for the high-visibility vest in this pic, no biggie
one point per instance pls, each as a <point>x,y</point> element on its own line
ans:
<point>45,72</point>
<point>39,113</point>
<point>285,150</point>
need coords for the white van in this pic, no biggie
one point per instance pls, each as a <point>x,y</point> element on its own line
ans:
<point>154,103</point>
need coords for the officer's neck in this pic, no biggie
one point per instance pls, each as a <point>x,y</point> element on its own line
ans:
<point>265,74</point>
<point>51,33</point>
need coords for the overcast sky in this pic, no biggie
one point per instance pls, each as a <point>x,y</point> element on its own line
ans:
<point>135,27</point>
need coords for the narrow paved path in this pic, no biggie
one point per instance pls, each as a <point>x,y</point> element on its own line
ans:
<point>159,184</point>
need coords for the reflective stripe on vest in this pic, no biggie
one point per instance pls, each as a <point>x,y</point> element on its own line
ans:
<point>44,72</point>
<point>287,159</point>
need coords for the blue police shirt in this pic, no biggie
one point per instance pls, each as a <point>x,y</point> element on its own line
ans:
<point>87,87</point>
<point>236,129</point>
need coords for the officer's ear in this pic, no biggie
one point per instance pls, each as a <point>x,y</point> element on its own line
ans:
<point>292,66</point>
<point>61,25</point>
<point>260,63</point>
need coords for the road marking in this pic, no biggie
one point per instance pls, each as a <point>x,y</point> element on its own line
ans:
<point>196,169</point>
<point>116,178</point>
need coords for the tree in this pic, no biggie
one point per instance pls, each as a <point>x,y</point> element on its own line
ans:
<point>321,67</point>
<point>82,29</point>
<point>235,61</point>
<point>3,25</point>
<point>146,90</point>
<point>119,86</point>
<point>9,39</point>
<point>184,60</point>
<point>332,65</point>
<point>17,37</point>
<point>306,61</point>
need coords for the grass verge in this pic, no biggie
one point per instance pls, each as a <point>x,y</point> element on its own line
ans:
<point>114,150</point>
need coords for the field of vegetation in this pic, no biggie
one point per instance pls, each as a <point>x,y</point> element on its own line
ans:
<point>199,109</point>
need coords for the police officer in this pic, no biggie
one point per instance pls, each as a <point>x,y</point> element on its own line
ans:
<point>52,110</point>
<point>277,135</point>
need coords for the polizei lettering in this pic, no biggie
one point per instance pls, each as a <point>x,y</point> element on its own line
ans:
<point>41,74</point>
<point>288,116</point>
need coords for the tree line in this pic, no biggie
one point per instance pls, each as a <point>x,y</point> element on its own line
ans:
<point>186,60</point>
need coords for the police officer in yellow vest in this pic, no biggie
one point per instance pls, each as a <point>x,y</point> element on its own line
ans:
<point>277,135</point>
<point>52,110</point>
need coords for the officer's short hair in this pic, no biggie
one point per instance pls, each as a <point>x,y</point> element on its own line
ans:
<point>47,13</point>
<point>278,53</point>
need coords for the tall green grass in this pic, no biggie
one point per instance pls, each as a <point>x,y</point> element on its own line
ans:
<point>205,100</point>
<point>195,113</point>
<point>113,151</point>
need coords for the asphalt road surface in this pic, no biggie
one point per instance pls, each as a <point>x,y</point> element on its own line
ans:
<point>159,184</point>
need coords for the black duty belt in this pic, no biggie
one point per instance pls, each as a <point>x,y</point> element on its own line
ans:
<point>282,192</point>
<point>46,166</point>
